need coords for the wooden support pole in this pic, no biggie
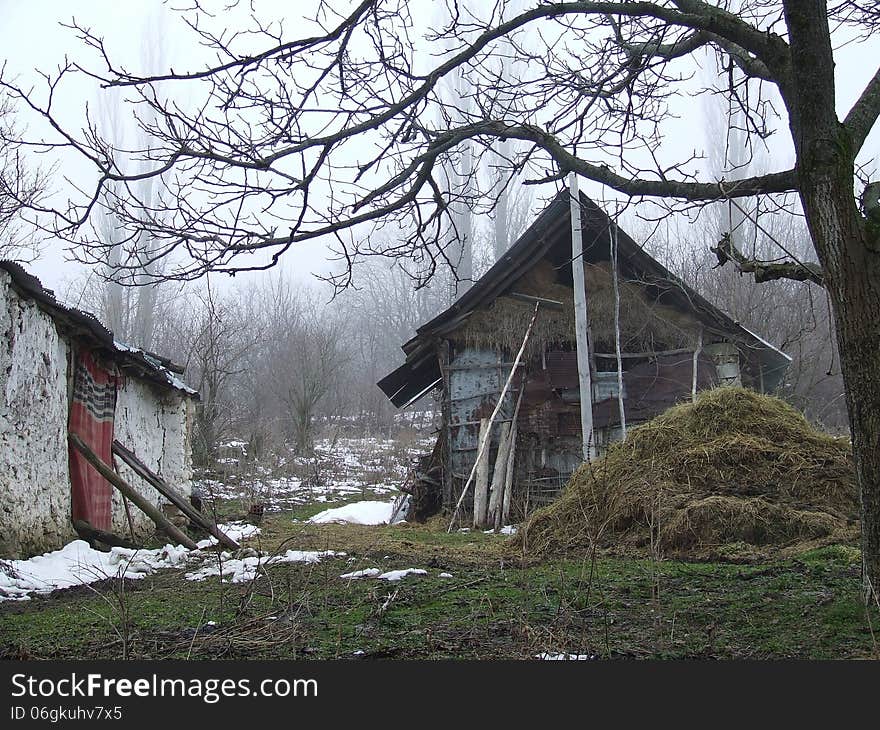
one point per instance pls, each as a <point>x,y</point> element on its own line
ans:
<point>697,350</point>
<point>508,479</point>
<point>615,274</point>
<point>496,494</point>
<point>167,491</point>
<point>508,474</point>
<point>484,444</point>
<point>481,484</point>
<point>139,501</point>
<point>582,321</point>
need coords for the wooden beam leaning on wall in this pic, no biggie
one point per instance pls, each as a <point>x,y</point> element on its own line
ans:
<point>481,483</point>
<point>485,442</point>
<point>125,488</point>
<point>167,491</point>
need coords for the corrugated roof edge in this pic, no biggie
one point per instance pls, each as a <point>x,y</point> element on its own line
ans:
<point>82,324</point>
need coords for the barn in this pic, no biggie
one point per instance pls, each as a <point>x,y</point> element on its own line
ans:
<point>673,342</point>
<point>62,373</point>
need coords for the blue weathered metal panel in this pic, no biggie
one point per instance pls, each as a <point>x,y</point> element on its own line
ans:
<point>476,378</point>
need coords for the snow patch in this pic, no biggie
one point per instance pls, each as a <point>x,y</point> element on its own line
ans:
<point>357,513</point>
<point>235,570</point>
<point>78,564</point>
<point>395,575</point>
<point>366,573</point>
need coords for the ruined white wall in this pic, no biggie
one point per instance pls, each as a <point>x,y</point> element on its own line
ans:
<point>34,478</point>
<point>154,424</point>
<point>34,483</point>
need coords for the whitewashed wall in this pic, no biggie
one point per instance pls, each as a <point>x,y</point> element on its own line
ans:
<point>34,483</point>
<point>154,424</point>
<point>34,478</point>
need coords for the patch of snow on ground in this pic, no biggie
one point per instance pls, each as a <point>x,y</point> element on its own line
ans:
<point>357,513</point>
<point>445,575</point>
<point>235,570</point>
<point>237,531</point>
<point>395,575</point>
<point>506,530</point>
<point>564,657</point>
<point>77,564</point>
<point>366,573</point>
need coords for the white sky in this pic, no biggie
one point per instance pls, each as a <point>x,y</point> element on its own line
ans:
<point>31,38</point>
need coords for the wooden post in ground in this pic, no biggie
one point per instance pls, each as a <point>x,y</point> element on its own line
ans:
<point>511,455</point>
<point>508,478</point>
<point>494,415</point>
<point>127,490</point>
<point>481,484</point>
<point>697,350</point>
<point>496,497</point>
<point>581,320</point>
<point>615,275</point>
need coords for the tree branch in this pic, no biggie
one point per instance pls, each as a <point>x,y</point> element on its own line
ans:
<point>864,114</point>
<point>726,251</point>
<point>777,182</point>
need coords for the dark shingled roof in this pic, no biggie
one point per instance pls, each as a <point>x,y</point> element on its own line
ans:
<point>85,327</point>
<point>549,237</point>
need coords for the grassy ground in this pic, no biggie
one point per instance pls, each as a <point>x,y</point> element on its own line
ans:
<point>493,606</point>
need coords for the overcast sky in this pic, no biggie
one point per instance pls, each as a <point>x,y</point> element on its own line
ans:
<point>32,38</point>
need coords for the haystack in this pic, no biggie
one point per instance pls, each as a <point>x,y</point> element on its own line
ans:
<point>734,468</point>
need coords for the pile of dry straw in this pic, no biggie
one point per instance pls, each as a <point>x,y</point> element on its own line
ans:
<point>734,470</point>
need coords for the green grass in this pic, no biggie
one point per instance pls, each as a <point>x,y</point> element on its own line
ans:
<point>493,607</point>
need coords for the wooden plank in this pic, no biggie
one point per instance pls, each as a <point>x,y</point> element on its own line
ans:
<point>547,303</point>
<point>508,475</point>
<point>117,481</point>
<point>496,493</point>
<point>481,483</point>
<point>170,493</point>
<point>495,412</point>
<point>652,353</point>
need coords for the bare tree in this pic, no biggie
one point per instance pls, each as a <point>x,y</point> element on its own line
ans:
<point>130,302</point>
<point>302,359</point>
<point>345,113</point>
<point>212,336</point>
<point>20,187</point>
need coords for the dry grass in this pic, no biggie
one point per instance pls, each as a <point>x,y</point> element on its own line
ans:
<point>736,467</point>
<point>645,324</point>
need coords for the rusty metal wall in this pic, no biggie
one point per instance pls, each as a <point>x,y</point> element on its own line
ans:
<point>548,444</point>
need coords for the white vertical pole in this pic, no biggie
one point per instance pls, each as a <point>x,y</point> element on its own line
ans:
<point>581,320</point>
<point>697,350</point>
<point>615,273</point>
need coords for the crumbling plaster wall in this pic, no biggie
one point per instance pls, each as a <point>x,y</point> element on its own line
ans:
<point>34,478</point>
<point>34,483</point>
<point>154,424</point>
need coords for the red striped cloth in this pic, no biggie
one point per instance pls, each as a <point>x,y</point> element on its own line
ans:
<point>91,418</point>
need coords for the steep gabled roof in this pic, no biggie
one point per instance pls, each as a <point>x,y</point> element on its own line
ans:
<point>86,327</point>
<point>549,237</point>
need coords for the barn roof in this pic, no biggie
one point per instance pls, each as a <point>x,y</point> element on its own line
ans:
<point>86,327</point>
<point>549,238</point>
